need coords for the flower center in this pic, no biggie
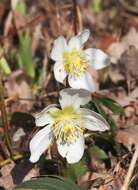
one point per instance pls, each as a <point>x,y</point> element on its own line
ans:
<point>68,125</point>
<point>75,62</point>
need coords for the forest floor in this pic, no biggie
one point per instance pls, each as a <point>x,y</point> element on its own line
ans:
<point>27,33</point>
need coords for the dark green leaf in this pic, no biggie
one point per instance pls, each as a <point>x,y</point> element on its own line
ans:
<point>99,108</point>
<point>49,183</point>
<point>98,153</point>
<point>112,105</point>
<point>113,125</point>
<point>24,120</point>
<point>74,171</point>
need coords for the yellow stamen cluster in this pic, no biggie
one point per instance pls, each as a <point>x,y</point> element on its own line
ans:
<point>75,62</point>
<point>67,126</point>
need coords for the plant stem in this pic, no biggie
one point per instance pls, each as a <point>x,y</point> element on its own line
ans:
<point>4,118</point>
<point>130,170</point>
<point>75,16</point>
<point>78,24</point>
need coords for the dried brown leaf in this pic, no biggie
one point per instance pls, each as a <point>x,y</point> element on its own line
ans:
<point>128,137</point>
<point>116,49</point>
<point>18,86</point>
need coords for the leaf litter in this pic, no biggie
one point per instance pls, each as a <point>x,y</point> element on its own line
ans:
<point>120,83</point>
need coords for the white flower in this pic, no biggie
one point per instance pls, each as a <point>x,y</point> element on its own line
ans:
<point>66,126</point>
<point>72,61</point>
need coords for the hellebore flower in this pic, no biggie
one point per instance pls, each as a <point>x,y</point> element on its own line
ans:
<point>66,126</point>
<point>72,61</point>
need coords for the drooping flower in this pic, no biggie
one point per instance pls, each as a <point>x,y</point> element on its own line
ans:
<point>66,126</point>
<point>72,61</point>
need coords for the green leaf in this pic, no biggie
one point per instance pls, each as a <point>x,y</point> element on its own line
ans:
<point>24,58</point>
<point>49,183</point>
<point>98,153</point>
<point>96,6</point>
<point>99,108</point>
<point>98,102</point>
<point>21,7</point>
<point>97,105</point>
<point>113,125</point>
<point>76,170</point>
<point>112,105</point>
<point>4,66</point>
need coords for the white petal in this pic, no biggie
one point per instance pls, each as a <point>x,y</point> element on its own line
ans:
<point>97,58</point>
<point>59,72</point>
<point>43,118</point>
<point>94,121</point>
<point>73,152</point>
<point>59,47</point>
<point>74,43</point>
<point>40,143</point>
<point>68,100</point>
<point>83,36</point>
<point>67,97</point>
<point>78,40</point>
<point>85,81</point>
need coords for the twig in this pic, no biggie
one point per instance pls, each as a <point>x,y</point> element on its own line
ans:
<point>58,17</point>
<point>75,16</point>
<point>129,8</point>
<point>8,161</point>
<point>4,118</point>
<point>130,170</point>
<point>3,151</point>
<point>54,93</point>
<point>48,79</point>
<point>29,24</point>
<point>80,23</point>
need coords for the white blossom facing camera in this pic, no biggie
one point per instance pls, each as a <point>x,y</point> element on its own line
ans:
<point>66,126</point>
<point>72,61</point>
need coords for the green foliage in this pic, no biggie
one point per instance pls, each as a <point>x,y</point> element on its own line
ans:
<point>99,103</point>
<point>49,183</point>
<point>96,6</point>
<point>97,153</point>
<point>4,67</point>
<point>106,142</point>
<point>73,171</point>
<point>112,124</point>
<point>112,105</point>
<point>24,56</point>
<point>98,107</point>
<point>21,7</point>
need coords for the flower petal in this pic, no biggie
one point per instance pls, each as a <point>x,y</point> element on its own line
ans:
<point>59,72</point>
<point>68,100</point>
<point>94,121</point>
<point>78,40</point>
<point>39,143</point>
<point>68,97</point>
<point>72,152</point>
<point>74,43</point>
<point>83,36</point>
<point>59,47</point>
<point>97,58</point>
<point>43,118</point>
<point>85,81</point>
